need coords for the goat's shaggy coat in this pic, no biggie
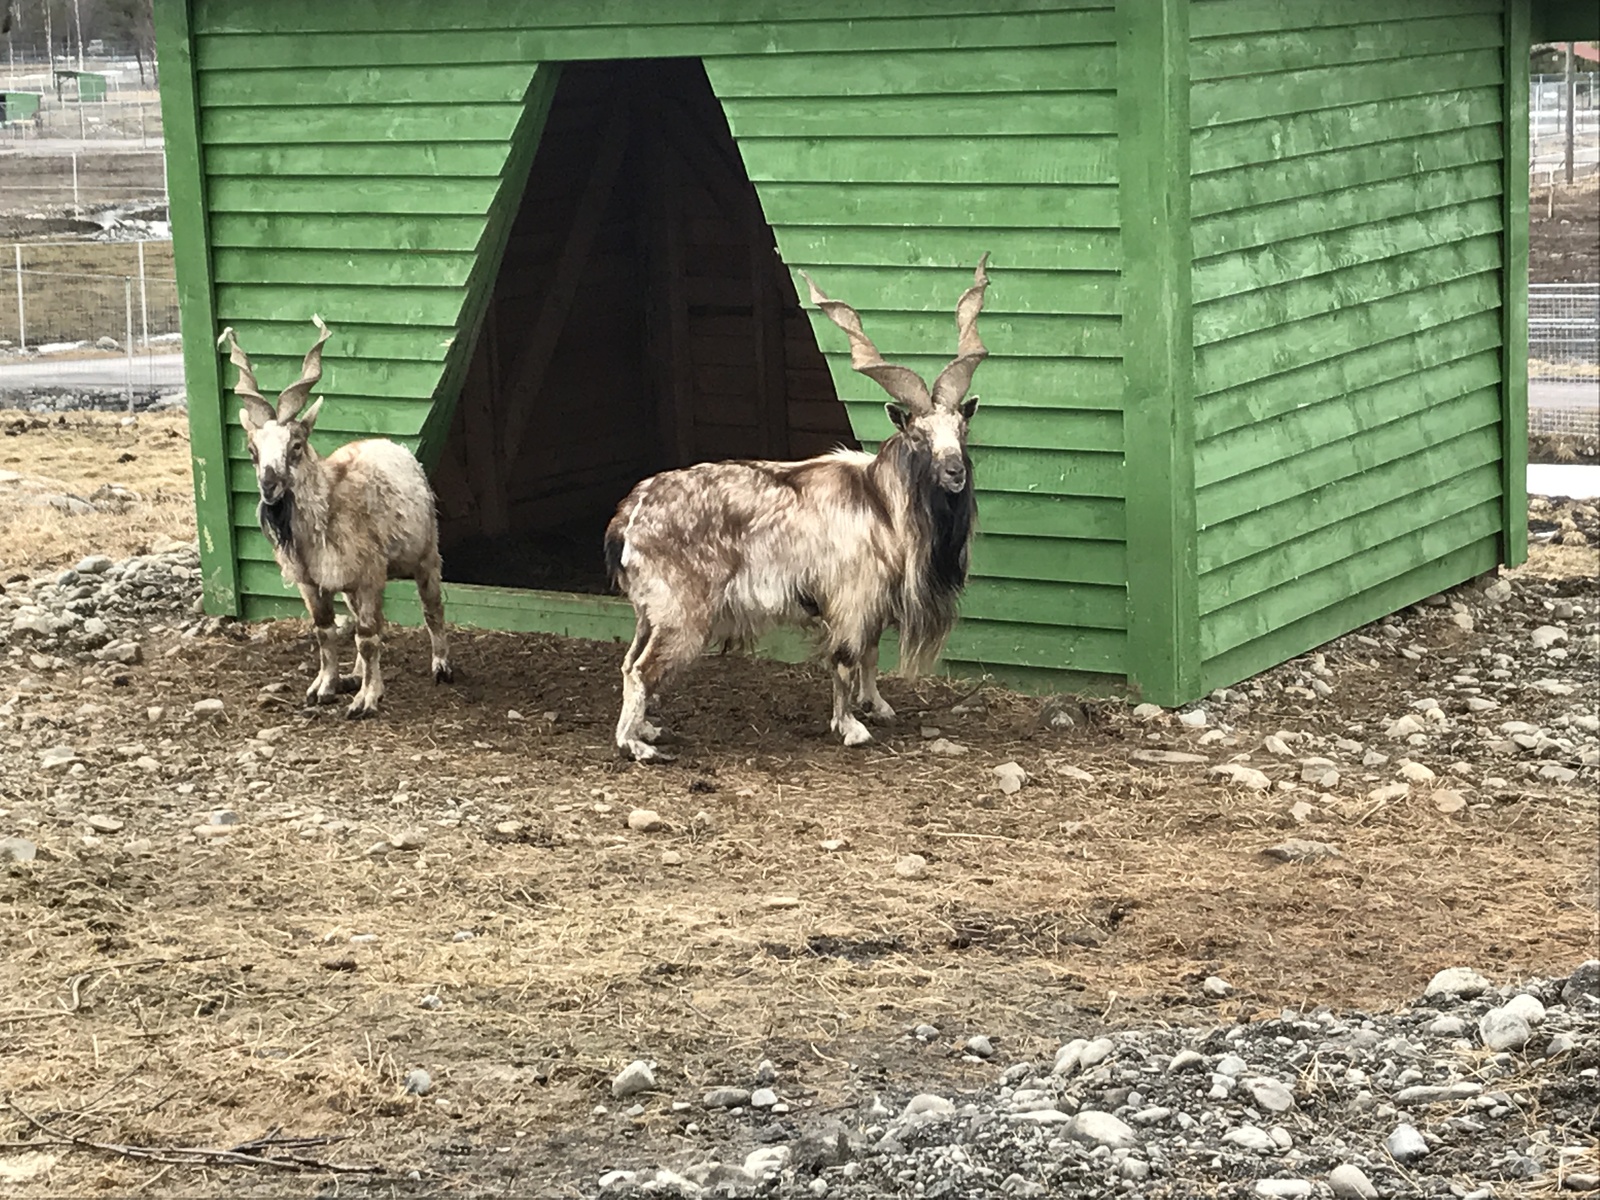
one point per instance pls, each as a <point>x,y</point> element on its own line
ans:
<point>849,543</point>
<point>347,523</point>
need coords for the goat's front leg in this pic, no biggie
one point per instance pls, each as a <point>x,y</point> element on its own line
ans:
<point>368,610</point>
<point>328,684</point>
<point>877,707</point>
<point>846,668</point>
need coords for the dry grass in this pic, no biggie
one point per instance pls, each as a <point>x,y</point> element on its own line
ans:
<point>1041,914</point>
<point>75,456</point>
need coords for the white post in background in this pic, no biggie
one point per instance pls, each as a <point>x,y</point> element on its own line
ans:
<point>76,211</point>
<point>144,305</point>
<point>22,320</point>
<point>127,333</point>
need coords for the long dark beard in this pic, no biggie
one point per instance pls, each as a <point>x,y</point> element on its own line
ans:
<point>277,521</point>
<point>943,523</point>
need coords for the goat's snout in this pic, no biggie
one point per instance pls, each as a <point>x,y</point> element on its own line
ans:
<point>273,485</point>
<point>951,474</point>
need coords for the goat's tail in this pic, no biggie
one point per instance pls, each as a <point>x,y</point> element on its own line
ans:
<point>615,545</point>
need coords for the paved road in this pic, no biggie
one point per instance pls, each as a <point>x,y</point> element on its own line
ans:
<point>166,370</point>
<point>1581,397</point>
<point>158,370</point>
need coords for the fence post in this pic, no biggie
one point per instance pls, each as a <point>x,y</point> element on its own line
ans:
<point>144,304</point>
<point>127,310</point>
<point>22,320</point>
<point>76,211</point>
<point>1571,90</point>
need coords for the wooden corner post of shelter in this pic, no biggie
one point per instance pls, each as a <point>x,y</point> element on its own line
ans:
<point>202,362</point>
<point>1157,348</point>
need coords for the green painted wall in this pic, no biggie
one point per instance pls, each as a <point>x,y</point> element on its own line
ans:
<point>1354,360</point>
<point>1257,319</point>
<point>356,160</point>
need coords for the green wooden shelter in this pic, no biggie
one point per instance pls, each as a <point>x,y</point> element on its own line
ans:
<point>19,106</point>
<point>1257,322</point>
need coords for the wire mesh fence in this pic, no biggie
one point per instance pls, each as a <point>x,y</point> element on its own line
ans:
<point>89,315</point>
<point>1548,139</point>
<point>1564,332</point>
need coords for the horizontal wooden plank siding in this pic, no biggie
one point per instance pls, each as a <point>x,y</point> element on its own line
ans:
<point>1349,282</point>
<point>361,160</point>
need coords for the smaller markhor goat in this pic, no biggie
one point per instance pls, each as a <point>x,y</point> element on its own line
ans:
<point>346,523</point>
<point>850,543</point>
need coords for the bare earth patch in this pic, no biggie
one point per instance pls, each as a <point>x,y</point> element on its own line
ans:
<point>162,985</point>
<point>46,463</point>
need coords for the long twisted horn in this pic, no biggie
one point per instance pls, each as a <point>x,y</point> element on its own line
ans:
<point>904,384</point>
<point>246,388</point>
<point>951,386</point>
<point>293,397</point>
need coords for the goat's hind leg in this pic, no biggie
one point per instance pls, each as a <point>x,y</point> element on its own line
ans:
<point>328,684</point>
<point>635,716</point>
<point>368,609</point>
<point>428,591</point>
<point>663,652</point>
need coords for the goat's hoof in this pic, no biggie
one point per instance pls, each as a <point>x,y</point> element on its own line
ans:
<point>643,752</point>
<point>649,732</point>
<point>360,712</point>
<point>349,685</point>
<point>882,714</point>
<point>443,673</point>
<point>316,695</point>
<point>853,731</point>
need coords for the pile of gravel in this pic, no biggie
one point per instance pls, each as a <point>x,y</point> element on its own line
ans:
<point>99,609</point>
<point>84,399</point>
<point>1471,1090</point>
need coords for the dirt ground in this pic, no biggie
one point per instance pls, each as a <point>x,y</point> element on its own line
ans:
<point>1564,232</point>
<point>161,987</point>
<point>87,457</point>
<point>37,199</point>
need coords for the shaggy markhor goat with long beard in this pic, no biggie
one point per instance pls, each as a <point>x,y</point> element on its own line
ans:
<point>850,544</point>
<point>346,523</point>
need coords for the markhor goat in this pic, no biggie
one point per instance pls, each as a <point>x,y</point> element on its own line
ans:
<point>346,523</point>
<point>849,543</point>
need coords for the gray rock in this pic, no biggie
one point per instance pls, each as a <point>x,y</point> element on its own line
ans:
<point>1096,1052</point>
<point>769,1160</point>
<point>638,1076</point>
<point>1283,1187</point>
<point>1010,777</point>
<point>980,1046</point>
<point>1269,1093</point>
<point>419,1082</point>
<point>925,1032</point>
<point>1501,1029</point>
<point>1231,1065</point>
<point>1546,636</point>
<point>1350,1182</point>
<point>1101,1129</point>
<point>57,758</point>
<point>15,849</point>
<point>1527,1007</point>
<point>825,1146</point>
<point>1405,1144</point>
<point>645,820</point>
<point>37,624</point>
<point>1249,1137</point>
<point>94,564</point>
<point>1186,1060</point>
<point>928,1103</point>
<point>763,1098</point>
<point>726,1097</point>
<point>1457,981</point>
<point>1584,982</point>
<point>208,710</point>
<point>102,823</point>
<point>1217,988</point>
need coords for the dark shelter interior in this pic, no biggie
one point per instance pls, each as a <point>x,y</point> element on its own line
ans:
<point>641,320</point>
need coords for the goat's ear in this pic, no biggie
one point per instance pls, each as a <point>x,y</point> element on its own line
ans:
<point>247,419</point>
<point>900,415</point>
<point>968,407</point>
<point>309,417</point>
